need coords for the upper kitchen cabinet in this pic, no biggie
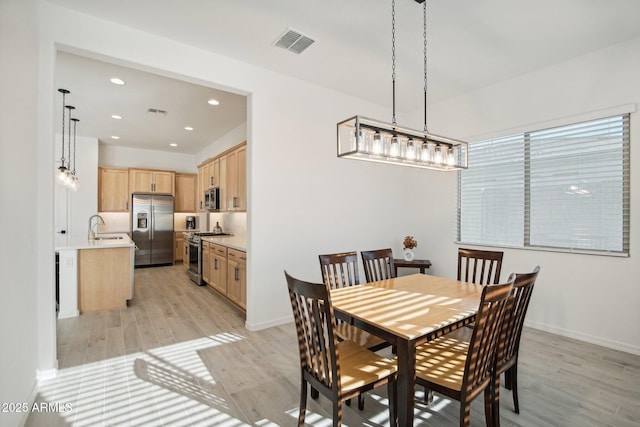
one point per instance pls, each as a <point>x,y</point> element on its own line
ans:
<point>113,190</point>
<point>208,177</point>
<point>151,181</point>
<point>185,199</point>
<point>228,172</point>
<point>236,185</point>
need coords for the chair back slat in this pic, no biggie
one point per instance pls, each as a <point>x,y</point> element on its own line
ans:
<point>483,344</point>
<point>315,327</point>
<point>480,267</point>
<point>340,270</point>
<point>513,321</point>
<point>378,264</point>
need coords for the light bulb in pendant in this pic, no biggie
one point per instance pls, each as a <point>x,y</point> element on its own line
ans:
<point>377,143</point>
<point>411,149</point>
<point>438,155</point>
<point>394,149</point>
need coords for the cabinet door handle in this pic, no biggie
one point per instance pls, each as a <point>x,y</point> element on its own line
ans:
<point>215,264</point>
<point>211,181</point>
<point>236,274</point>
<point>235,202</point>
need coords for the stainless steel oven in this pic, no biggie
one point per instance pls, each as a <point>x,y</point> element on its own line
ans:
<point>195,259</point>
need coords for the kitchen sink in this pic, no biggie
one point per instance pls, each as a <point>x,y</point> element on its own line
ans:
<point>108,237</point>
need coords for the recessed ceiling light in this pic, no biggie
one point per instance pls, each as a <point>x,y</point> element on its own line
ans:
<point>188,128</point>
<point>213,102</point>
<point>173,144</point>
<point>116,116</point>
<point>116,81</point>
<point>115,137</point>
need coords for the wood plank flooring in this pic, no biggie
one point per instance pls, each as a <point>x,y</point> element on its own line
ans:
<point>179,355</point>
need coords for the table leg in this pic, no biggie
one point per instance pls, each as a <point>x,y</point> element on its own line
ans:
<point>406,352</point>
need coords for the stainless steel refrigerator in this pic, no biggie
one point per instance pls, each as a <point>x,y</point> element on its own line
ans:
<point>152,228</point>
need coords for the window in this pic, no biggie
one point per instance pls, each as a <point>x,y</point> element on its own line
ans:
<point>564,188</point>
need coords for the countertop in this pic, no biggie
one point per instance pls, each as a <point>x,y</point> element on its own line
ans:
<point>233,242</point>
<point>66,241</point>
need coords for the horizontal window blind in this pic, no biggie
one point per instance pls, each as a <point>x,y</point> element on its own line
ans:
<point>564,188</point>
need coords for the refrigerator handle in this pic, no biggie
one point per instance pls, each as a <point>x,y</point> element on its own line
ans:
<point>153,222</point>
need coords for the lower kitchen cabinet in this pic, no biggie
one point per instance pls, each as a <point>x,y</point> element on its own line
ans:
<point>237,277</point>
<point>206,262</point>
<point>104,279</point>
<point>178,247</point>
<point>218,268</point>
<point>185,254</point>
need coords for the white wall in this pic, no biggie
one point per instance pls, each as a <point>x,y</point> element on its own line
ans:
<point>592,298</point>
<point>125,157</point>
<point>231,139</point>
<point>20,193</point>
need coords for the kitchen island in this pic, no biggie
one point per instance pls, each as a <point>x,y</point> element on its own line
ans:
<point>94,275</point>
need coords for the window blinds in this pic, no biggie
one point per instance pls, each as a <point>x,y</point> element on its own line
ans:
<point>563,188</point>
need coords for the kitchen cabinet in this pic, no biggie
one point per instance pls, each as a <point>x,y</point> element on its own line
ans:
<point>206,262</point>
<point>218,268</point>
<point>208,177</point>
<point>228,172</point>
<point>185,198</point>
<point>237,277</point>
<point>185,254</point>
<point>151,181</point>
<point>104,279</point>
<point>113,190</point>
<point>178,247</point>
<point>236,185</point>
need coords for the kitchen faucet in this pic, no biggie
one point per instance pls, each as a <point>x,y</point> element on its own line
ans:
<point>92,234</point>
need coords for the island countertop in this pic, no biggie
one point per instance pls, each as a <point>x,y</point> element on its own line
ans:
<point>103,241</point>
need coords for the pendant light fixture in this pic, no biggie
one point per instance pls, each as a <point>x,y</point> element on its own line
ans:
<point>61,172</point>
<point>362,138</point>
<point>66,172</point>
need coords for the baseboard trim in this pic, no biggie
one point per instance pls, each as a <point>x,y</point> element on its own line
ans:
<point>254,327</point>
<point>592,339</point>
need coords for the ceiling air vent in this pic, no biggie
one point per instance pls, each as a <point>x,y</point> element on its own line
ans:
<point>157,111</point>
<point>294,41</point>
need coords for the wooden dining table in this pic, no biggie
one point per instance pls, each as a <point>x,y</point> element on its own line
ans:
<point>408,311</point>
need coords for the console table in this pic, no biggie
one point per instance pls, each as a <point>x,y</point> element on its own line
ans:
<point>422,264</point>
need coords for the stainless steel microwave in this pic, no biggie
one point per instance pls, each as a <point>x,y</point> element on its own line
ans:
<point>212,199</point>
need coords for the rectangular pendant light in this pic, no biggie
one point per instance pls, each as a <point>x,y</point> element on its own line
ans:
<point>361,138</point>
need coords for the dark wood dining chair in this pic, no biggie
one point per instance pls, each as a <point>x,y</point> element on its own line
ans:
<point>338,271</point>
<point>509,342</point>
<point>459,369</point>
<point>478,266</point>
<point>378,264</point>
<point>339,370</point>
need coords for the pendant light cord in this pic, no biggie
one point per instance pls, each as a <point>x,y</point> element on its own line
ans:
<point>63,108</point>
<point>424,35</point>
<point>393,58</point>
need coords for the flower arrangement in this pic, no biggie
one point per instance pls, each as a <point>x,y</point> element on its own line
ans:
<point>409,242</point>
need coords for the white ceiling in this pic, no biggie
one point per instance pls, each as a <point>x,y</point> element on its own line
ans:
<point>471,44</point>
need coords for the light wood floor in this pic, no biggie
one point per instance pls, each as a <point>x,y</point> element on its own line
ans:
<point>180,356</point>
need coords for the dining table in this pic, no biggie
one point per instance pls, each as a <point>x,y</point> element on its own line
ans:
<point>408,311</point>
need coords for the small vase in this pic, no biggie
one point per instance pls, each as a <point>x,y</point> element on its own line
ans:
<point>409,255</point>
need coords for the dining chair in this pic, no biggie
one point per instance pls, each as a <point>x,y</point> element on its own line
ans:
<point>378,264</point>
<point>339,370</point>
<point>509,341</point>
<point>459,369</point>
<point>478,266</point>
<point>338,271</point>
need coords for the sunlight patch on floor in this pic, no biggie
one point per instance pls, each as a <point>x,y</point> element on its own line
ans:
<point>165,385</point>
